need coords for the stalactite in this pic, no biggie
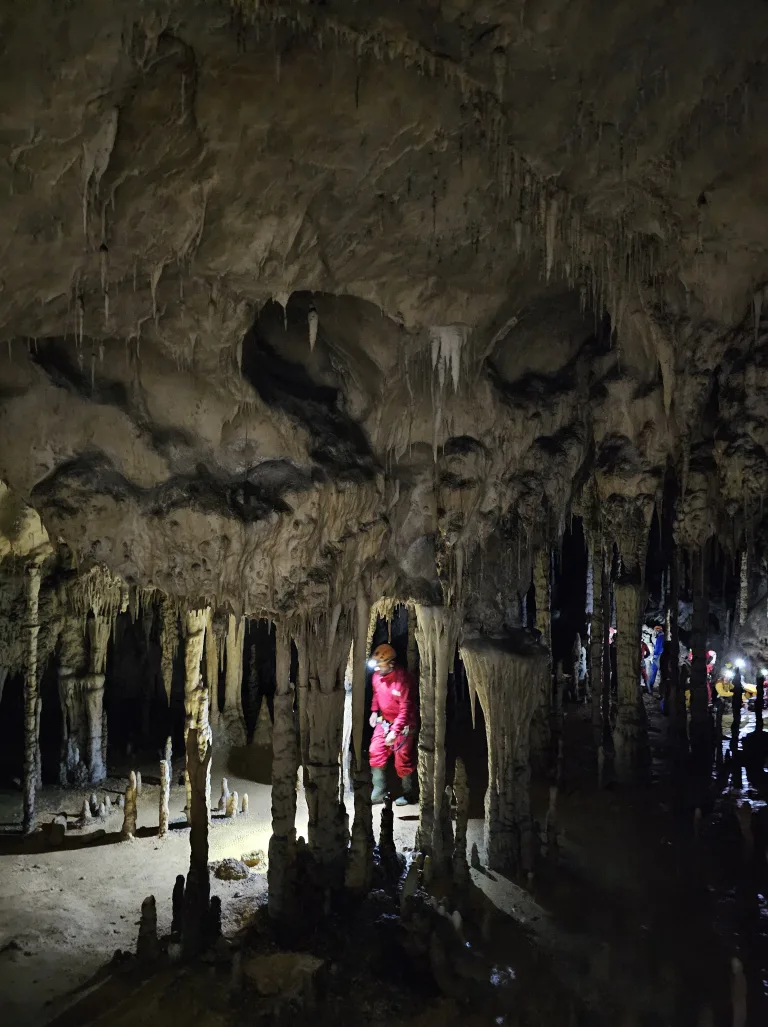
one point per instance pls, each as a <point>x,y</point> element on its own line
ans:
<point>31,740</point>
<point>233,721</point>
<point>212,673</point>
<point>165,793</point>
<point>285,760</point>
<point>509,685</point>
<point>436,636</point>
<point>631,733</point>
<point>169,643</point>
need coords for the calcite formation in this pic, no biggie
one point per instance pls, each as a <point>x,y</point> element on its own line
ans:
<point>312,313</point>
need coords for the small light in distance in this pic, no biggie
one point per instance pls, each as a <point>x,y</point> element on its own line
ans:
<point>740,664</point>
<point>764,672</point>
<point>728,675</point>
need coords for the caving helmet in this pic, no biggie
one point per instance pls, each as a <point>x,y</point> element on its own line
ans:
<point>383,658</point>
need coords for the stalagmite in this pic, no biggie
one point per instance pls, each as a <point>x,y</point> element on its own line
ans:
<point>262,735</point>
<point>129,815</point>
<point>244,804</point>
<point>232,719</point>
<point>139,784</point>
<point>738,993</point>
<point>85,815</point>
<point>436,635</point>
<point>165,793</point>
<point>224,796</point>
<point>198,750</point>
<point>31,630</point>
<point>632,760</point>
<point>509,685</point>
<point>461,795</point>
<point>177,905</point>
<point>147,946</point>
<point>281,871</point>
<point>169,754</point>
<point>232,804</point>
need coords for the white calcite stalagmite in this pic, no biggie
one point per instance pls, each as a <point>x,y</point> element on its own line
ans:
<point>195,691</point>
<point>128,829</point>
<point>509,686</point>
<point>461,796</point>
<point>282,844</point>
<point>436,635</point>
<point>164,798</point>
<point>232,804</point>
<point>31,698</point>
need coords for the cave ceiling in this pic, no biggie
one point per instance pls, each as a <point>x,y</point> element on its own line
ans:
<point>297,294</point>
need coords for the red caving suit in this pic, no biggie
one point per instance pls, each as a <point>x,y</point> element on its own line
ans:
<point>394,700</point>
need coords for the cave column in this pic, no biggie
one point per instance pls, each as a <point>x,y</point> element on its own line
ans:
<point>509,686</point>
<point>232,714</point>
<point>631,732</point>
<point>436,635</point>
<point>360,862</point>
<point>195,701</point>
<point>93,687</point>
<point>74,728</point>
<point>701,730</point>
<point>31,720</point>
<point>328,648</point>
<point>282,844</point>
<point>211,664</point>
<point>541,726</point>
<point>198,743</point>
<point>597,563</point>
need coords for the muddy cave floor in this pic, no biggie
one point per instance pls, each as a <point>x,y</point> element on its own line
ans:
<point>636,923</point>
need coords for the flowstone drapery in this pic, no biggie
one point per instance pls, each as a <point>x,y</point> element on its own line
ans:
<point>509,682</point>
<point>437,630</point>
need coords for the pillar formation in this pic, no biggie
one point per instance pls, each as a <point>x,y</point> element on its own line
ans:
<point>232,714</point>
<point>361,850</point>
<point>541,724</point>
<point>630,738</point>
<point>93,686</point>
<point>195,697</point>
<point>436,635</point>
<point>509,685</point>
<point>282,844</point>
<point>596,640</point>
<point>328,650</point>
<point>31,720</point>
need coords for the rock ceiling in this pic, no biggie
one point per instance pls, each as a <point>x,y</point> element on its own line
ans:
<point>292,293</point>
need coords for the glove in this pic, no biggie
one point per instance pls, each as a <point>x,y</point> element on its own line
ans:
<point>373,718</point>
<point>390,739</point>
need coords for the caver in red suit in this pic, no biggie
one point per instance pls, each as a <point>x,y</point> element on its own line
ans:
<point>393,713</point>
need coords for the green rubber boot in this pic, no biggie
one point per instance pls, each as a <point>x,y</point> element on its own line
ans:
<point>408,784</point>
<point>379,777</point>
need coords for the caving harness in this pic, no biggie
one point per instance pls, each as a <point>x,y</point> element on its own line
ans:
<point>387,726</point>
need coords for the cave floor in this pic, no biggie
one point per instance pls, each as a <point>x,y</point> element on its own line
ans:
<point>637,919</point>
